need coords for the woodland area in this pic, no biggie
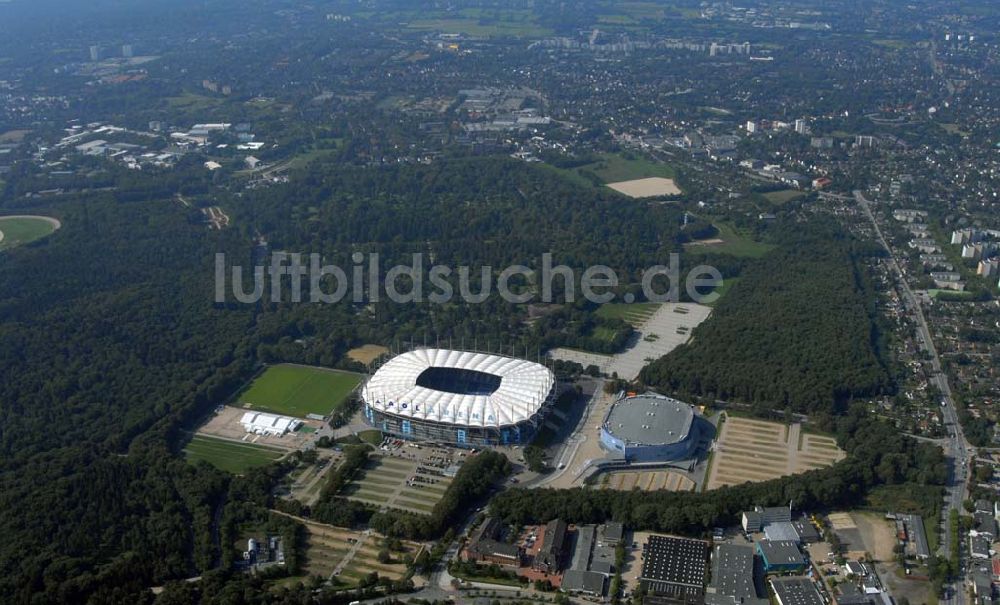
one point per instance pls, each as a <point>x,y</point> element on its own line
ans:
<point>798,332</point>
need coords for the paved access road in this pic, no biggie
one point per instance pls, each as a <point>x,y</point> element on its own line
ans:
<point>958,449</point>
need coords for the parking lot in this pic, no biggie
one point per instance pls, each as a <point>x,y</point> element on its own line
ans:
<point>405,476</point>
<point>757,450</point>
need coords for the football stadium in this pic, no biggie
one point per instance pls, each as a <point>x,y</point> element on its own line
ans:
<point>459,397</point>
<point>651,428</point>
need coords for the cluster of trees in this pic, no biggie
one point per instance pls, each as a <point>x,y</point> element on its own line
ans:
<point>798,331</point>
<point>577,326</point>
<point>334,509</point>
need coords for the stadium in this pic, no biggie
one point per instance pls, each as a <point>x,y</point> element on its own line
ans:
<point>651,428</point>
<point>459,397</point>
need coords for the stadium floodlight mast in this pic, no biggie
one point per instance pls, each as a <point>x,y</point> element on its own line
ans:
<point>288,276</point>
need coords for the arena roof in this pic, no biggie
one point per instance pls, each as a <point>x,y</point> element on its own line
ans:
<point>650,419</point>
<point>403,387</point>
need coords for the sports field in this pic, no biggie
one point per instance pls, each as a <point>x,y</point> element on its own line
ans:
<point>730,241</point>
<point>18,230</point>
<point>299,390</point>
<point>229,456</point>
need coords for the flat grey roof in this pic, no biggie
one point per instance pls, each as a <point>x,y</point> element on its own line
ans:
<point>650,419</point>
<point>613,531</point>
<point>796,590</point>
<point>582,547</point>
<point>915,531</point>
<point>733,571</point>
<point>584,581</point>
<point>780,552</point>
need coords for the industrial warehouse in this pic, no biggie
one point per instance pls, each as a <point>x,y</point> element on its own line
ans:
<point>459,397</point>
<point>651,428</point>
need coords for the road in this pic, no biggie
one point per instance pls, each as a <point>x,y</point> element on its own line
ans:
<point>958,449</point>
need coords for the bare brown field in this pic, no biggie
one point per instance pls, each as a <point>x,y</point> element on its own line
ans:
<point>649,187</point>
<point>367,353</point>
<point>13,136</point>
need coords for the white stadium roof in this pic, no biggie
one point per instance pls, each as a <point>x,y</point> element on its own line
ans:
<point>524,388</point>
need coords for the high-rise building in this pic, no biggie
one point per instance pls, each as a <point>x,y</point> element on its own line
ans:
<point>801,126</point>
<point>95,53</point>
<point>127,50</point>
<point>751,127</point>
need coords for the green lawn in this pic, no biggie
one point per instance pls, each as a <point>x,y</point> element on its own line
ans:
<point>18,231</point>
<point>193,102</point>
<point>229,455</point>
<point>481,27</point>
<point>948,294</point>
<point>615,167</point>
<point>373,437</point>
<point>783,196</point>
<point>635,313</point>
<point>298,390</point>
<point>736,244</point>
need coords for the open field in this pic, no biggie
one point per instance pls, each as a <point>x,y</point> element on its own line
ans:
<point>299,390</point>
<point>646,481</point>
<point>730,241</point>
<point>13,136</point>
<point>22,229</point>
<point>193,102</point>
<point>614,168</point>
<point>231,456</point>
<point>367,353</point>
<point>393,482</point>
<point>783,196</point>
<point>349,556</point>
<point>635,313</point>
<point>757,450</point>
<point>480,27</point>
<point>226,424</point>
<point>647,187</point>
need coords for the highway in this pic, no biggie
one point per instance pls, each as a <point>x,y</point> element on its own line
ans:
<point>958,449</point>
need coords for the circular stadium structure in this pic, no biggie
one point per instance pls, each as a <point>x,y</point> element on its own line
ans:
<point>468,399</point>
<point>651,428</point>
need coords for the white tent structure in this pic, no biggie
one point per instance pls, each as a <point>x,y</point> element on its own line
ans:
<point>260,423</point>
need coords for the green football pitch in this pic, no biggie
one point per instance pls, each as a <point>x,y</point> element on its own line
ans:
<point>17,230</point>
<point>298,390</point>
<point>229,456</point>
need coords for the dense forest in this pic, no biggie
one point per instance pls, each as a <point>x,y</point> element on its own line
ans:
<point>799,331</point>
